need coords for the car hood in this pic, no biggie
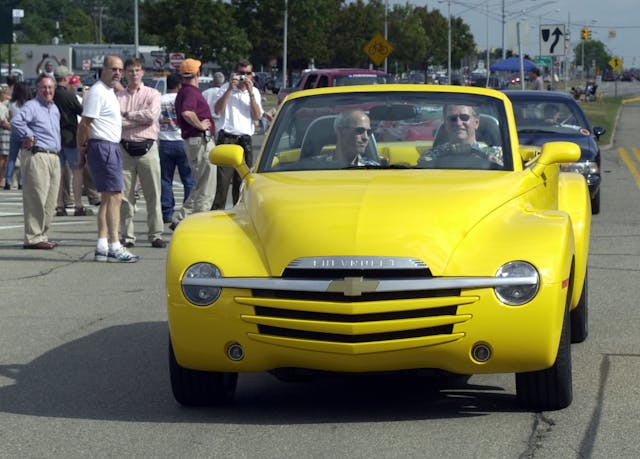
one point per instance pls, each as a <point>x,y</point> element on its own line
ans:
<point>375,213</point>
<point>588,146</point>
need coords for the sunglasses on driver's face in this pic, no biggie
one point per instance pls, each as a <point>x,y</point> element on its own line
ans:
<point>454,118</point>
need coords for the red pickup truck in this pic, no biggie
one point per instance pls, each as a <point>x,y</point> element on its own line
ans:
<point>323,78</point>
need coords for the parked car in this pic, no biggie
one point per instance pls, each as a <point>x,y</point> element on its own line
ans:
<point>571,125</point>
<point>494,82</point>
<point>411,254</point>
<point>156,82</point>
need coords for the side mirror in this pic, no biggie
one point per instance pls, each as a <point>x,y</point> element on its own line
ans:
<point>556,153</point>
<point>598,131</point>
<point>229,155</point>
<point>529,152</point>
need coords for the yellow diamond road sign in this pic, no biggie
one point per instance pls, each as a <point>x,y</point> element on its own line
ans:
<point>378,49</point>
<point>616,63</point>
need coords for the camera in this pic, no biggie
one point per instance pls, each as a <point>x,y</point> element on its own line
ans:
<point>242,78</point>
<point>45,55</point>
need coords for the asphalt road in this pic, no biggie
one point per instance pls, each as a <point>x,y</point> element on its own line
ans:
<point>83,365</point>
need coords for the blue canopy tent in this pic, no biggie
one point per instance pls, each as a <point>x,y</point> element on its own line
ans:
<point>512,64</point>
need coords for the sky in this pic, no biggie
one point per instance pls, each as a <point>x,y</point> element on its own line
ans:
<point>616,23</point>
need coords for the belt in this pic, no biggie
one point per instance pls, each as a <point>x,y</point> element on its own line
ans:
<point>42,150</point>
<point>204,135</point>
<point>226,135</point>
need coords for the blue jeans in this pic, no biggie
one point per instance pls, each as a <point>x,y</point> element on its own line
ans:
<point>172,155</point>
<point>14,149</point>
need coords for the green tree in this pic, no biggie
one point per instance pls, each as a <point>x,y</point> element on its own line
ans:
<point>594,51</point>
<point>435,27</point>
<point>356,24</point>
<point>408,37</point>
<point>203,29</point>
<point>263,22</point>
<point>311,31</point>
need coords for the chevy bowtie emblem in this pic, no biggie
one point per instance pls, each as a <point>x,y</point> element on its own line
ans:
<point>353,286</point>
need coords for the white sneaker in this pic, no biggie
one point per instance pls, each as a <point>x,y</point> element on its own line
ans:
<point>122,255</point>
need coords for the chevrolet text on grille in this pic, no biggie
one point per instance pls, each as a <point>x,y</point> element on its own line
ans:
<point>350,262</point>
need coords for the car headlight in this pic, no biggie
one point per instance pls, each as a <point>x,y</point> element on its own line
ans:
<point>516,295</point>
<point>581,167</point>
<point>201,295</point>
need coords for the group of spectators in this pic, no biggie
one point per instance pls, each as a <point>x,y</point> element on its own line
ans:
<point>129,138</point>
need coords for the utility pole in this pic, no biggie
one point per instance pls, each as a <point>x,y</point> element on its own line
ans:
<point>99,12</point>
<point>284,49</point>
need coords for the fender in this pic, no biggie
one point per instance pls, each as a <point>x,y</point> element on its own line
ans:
<point>573,198</point>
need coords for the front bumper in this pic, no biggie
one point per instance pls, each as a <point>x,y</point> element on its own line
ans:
<point>376,331</point>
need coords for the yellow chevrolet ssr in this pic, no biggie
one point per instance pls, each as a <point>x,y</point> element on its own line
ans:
<point>406,229</point>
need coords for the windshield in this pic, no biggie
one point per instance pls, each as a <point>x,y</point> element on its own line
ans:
<point>552,115</point>
<point>357,79</point>
<point>394,129</point>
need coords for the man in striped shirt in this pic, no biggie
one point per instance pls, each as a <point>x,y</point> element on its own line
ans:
<point>140,110</point>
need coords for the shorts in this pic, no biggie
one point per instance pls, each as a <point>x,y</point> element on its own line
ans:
<point>69,155</point>
<point>105,164</point>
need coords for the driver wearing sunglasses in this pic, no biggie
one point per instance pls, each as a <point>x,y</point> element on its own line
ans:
<point>460,124</point>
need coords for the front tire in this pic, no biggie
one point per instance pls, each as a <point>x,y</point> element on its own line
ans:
<point>580,315</point>
<point>595,204</point>
<point>200,388</point>
<point>549,389</point>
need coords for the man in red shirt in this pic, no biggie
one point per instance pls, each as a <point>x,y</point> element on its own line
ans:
<point>197,126</point>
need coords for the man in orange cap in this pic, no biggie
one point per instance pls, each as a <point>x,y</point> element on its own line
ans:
<point>197,126</point>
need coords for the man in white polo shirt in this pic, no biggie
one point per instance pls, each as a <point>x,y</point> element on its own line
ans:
<point>99,145</point>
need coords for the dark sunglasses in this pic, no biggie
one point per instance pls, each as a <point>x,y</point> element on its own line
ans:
<point>244,73</point>
<point>454,118</point>
<point>361,130</point>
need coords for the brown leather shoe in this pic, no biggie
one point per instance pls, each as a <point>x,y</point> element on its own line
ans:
<point>42,245</point>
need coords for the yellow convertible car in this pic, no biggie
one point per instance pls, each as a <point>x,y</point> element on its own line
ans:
<point>406,229</point>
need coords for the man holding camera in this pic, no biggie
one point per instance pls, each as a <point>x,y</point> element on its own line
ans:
<point>238,106</point>
<point>48,66</point>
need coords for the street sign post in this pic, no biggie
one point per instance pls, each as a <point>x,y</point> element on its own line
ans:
<point>552,40</point>
<point>616,64</point>
<point>176,59</point>
<point>378,49</point>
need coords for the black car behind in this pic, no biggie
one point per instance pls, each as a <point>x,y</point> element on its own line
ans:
<point>548,116</point>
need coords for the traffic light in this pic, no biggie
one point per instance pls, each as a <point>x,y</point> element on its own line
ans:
<point>583,33</point>
<point>588,34</point>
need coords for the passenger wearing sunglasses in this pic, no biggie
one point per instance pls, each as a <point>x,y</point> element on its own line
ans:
<point>353,132</point>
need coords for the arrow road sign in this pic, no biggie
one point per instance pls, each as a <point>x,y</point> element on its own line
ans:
<point>552,40</point>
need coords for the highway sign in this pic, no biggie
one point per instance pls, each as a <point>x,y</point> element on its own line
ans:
<point>378,49</point>
<point>543,61</point>
<point>552,40</point>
